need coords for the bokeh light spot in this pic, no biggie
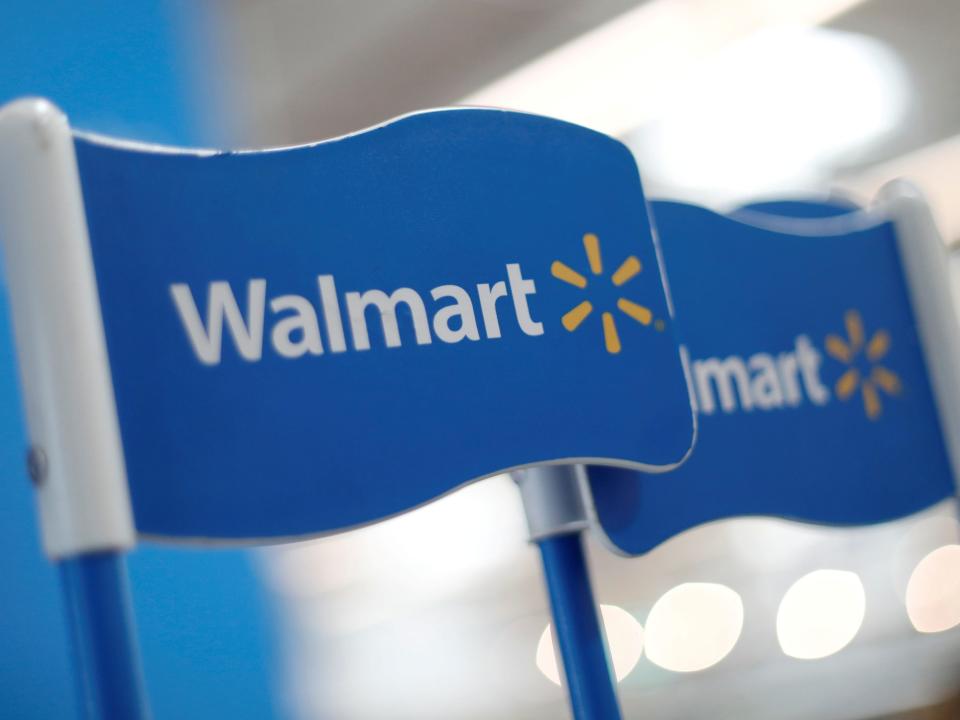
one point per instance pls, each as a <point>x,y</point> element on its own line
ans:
<point>933,592</point>
<point>694,626</point>
<point>821,614</point>
<point>624,638</point>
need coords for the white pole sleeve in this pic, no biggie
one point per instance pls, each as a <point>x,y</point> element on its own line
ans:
<point>554,500</point>
<point>76,454</point>
<point>925,262</point>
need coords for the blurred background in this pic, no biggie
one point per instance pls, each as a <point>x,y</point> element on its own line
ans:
<point>440,613</point>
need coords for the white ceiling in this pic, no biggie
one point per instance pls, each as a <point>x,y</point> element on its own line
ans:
<point>302,70</point>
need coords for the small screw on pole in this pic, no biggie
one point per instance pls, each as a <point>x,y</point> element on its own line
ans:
<point>36,465</point>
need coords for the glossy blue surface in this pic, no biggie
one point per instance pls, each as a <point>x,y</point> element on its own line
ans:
<point>207,634</point>
<point>127,69</point>
<point>36,675</point>
<point>746,294</point>
<point>269,445</point>
<point>113,67</point>
<point>107,659</point>
<point>586,664</point>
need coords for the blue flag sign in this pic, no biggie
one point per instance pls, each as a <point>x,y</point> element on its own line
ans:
<point>808,374</point>
<point>312,338</point>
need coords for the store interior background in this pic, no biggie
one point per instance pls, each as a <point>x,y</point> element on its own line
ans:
<point>441,613</point>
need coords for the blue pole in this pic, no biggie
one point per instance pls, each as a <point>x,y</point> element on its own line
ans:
<point>556,510</point>
<point>579,633</point>
<point>106,655</point>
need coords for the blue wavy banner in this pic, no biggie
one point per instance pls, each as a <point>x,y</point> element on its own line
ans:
<point>307,339</point>
<point>809,377</point>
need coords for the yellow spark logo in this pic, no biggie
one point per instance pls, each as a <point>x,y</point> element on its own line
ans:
<point>874,375</point>
<point>623,274</point>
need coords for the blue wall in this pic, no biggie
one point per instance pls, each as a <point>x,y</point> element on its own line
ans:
<point>131,69</point>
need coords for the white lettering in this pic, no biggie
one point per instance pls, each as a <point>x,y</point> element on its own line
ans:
<point>206,340</point>
<point>519,289</point>
<point>461,308</point>
<point>789,378</point>
<point>488,306</point>
<point>809,359</point>
<point>723,374</point>
<point>765,384</point>
<point>302,321</point>
<point>386,306</point>
<point>295,329</point>
<point>331,314</point>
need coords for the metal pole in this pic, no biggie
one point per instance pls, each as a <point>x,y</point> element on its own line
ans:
<point>106,655</point>
<point>556,517</point>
